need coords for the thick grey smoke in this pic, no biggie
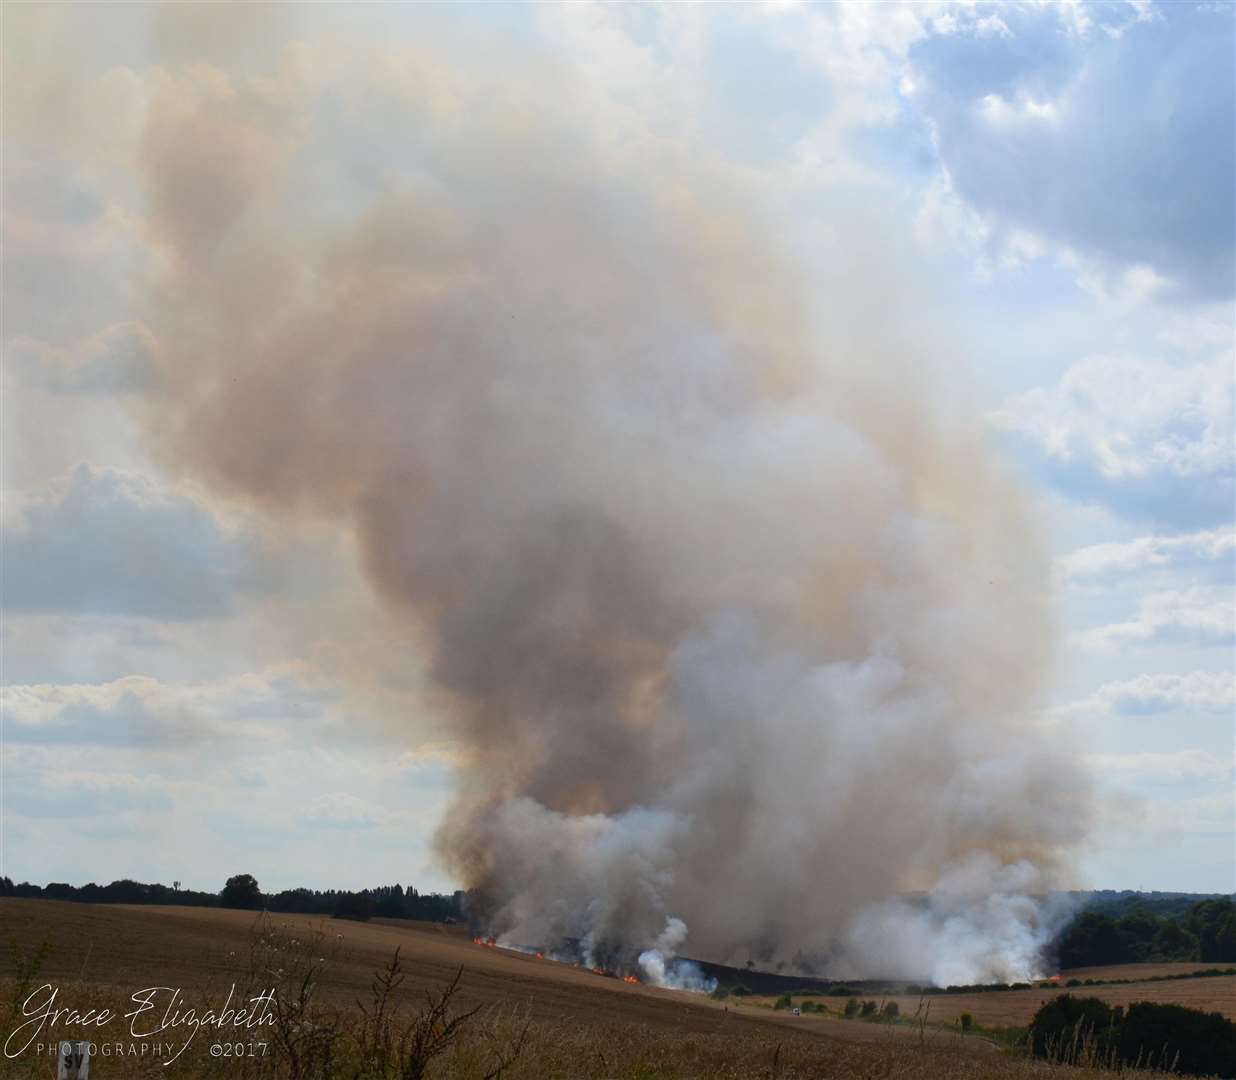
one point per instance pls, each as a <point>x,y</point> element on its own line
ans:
<point>740,625</point>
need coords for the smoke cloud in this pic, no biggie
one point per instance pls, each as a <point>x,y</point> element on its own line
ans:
<point>739,622</point>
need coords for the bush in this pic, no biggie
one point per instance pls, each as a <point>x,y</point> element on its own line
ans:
<point>869,1008</point>
<point>741,991</point>
<point>891,1010</point>
<point>1188,1040</point>
<point>719,994</point>
<point>1087,1030</point>
<point>851,1008</point>
<point>784,1002</point>
<point>1071,1030</point>
<point>966,1021</point>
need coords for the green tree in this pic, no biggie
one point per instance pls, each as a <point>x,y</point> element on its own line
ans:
<point>241,891</point>
<point>1198,1042</point>
<point>1214,923</point>
<point>1065,1028</point>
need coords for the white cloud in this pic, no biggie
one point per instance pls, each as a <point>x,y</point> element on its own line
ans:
<point>1064,134</point>
<point>118,359</point>
<point>341,810</point>
<point>1172,767</point>
<point>143,713</point>
<point>1151,440</point>
<point>1196,691</point>
<point>107,541</point>
<point>1000,113</point>
<point>1132,417</point>
<point>1204,614</point>
<point>1099,560</point>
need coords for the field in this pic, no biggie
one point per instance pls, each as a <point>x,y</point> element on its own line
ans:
<point>1139,971</point>
<point>1015,1008</point>
<point>1008,1008</point>
<point>575,1023</point>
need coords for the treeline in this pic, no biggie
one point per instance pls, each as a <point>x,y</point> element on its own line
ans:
<point>1204,931</point>
<point>242,891</point>
<point>1118,903</point>
<point>1088,1031</point>
<point>386,902</point>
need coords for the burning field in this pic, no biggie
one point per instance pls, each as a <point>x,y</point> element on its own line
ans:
<point>684,543</point>
<point>567,1021</point>
<point>734,623</point>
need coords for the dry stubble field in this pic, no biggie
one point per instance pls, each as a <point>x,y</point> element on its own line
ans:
<point>578,1024</point>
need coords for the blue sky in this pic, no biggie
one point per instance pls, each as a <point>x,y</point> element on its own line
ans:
<point>189,695</point>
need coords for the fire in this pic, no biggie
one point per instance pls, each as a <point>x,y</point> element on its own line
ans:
<point>489,942</point>
<point>540,955</point>
<point>477,941</point>
<point>630,979</point>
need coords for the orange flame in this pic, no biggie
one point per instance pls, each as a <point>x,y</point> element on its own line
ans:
<point>630,979</point>
<point>540,956</point>
<point>477,941</point>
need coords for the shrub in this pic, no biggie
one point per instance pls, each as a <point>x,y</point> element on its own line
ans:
<point>740,991</point>
<point>851,1008</point>
<point>869,1008</point>
<point>891,1010</point>
<point>1187,1040</point>
<point>966,1021</point>
<point>784,1002</point>
<point>1071,1029</point>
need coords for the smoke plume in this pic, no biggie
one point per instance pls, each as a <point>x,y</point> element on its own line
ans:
<point>738,622</point>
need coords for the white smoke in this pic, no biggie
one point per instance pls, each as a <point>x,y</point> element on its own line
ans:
<point>662,967</point>
<point>736,618</point>
<point>982,923</point>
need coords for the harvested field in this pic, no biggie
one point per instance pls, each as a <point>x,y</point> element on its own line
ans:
<point>1140,971</point>
<point>578,1024</point>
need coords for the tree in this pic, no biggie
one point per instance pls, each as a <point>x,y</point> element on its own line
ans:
<point>1064,1029</point>
<point>389,902</point>
<point>1214,923</point>
<point>350,905</point>
<point>1195,1041</point>
<point>242,892</point>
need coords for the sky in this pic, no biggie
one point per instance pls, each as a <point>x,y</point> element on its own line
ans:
<point>1047,190</point>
